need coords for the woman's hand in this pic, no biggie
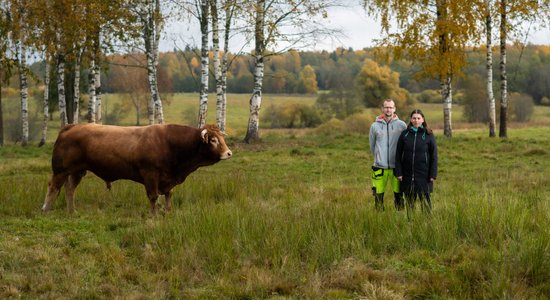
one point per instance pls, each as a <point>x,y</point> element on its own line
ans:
<point>400,178</point>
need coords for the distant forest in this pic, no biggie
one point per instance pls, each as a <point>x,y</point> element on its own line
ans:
<point>528,71</point>
<point>179,71</point>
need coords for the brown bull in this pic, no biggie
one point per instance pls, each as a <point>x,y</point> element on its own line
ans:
<point>157,156</point>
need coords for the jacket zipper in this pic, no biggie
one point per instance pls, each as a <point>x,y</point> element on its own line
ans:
<point>414,152</point>
<point>388,148</point>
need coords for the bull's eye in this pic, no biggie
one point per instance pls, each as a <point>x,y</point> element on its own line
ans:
<point>214,141</point>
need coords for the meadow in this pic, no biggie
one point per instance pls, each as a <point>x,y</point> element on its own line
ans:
<point>290,217</point>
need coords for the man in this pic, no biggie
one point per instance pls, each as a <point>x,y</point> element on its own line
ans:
<point>383,136</point>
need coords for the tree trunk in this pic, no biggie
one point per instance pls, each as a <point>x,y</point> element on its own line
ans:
<point>217,66</point>
<point>203,97</point>
<point>152,37</point>
<point>490,95</point>
<point>91,91</point>
<point>76,87</point>
<point>225,63</point>
<point>46,103</point>
<point>446,93</point>
<point>503,133</point>
<point>446,76</point>
<point>97,73</point>
<point>1,114</point>
<point>61,88</point>
<point>24,94</point>
<point>252,133</point>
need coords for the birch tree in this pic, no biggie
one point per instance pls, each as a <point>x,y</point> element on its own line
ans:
<point>286,24</point>
<point>489,68</point>
<point>151,22</point>
<point>5,63</point>
<point>23,85</point>
<point>19,13</point>
<point>519,11</point>
<point>216,62</point>
<point>503,129</point>
<point>45,102</point>
<point>229,8</point>
<point>203,95</point>
<point>431,33</point>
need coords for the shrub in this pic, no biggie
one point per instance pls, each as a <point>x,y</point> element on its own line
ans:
<point>291,115</point>
<point>333,126</point>
<point>358,123</point>
<point>429,96</point>
<point>521,107</point>
<point>476,108</point>
<point>338,103</point>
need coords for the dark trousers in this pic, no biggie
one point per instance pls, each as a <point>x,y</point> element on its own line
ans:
<point>425,201</point>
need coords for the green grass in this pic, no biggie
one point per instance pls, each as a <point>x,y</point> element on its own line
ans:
<point>291,217</point>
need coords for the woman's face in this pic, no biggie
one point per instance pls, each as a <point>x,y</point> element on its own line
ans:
<point>417,120</point>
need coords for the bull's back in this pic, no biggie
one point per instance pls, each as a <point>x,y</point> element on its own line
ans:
<point>111,152</point>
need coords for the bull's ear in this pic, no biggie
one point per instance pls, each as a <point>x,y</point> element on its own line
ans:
<point>204,135</point>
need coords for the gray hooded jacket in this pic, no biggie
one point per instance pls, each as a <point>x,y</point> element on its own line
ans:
<point>383,137</point>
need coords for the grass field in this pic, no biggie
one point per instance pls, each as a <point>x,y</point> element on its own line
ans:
<point>291,217</point>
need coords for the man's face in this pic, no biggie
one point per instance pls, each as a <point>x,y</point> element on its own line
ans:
<point>388,109</point>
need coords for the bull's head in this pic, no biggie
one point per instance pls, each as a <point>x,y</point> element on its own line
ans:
<point>212,136</point>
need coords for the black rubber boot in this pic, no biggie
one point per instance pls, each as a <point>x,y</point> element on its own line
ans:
<point>398,201</point>
<point>379,201</point>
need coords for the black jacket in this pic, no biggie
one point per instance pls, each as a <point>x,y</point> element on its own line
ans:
<point>416,160</point>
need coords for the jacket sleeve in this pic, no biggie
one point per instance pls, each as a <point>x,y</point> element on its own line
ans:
<point>433,158</point>
<point>398,155</point>
<point>372,138</point>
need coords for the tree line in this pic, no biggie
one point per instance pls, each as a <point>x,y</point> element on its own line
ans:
<point>433,36</point>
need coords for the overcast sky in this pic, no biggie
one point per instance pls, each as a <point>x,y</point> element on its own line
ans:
<point>359,29</point>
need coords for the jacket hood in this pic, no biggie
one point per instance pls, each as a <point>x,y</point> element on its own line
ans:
<point>382,118</point>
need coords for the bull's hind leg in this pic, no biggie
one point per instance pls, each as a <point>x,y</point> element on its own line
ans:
<point>54,186</point>
<point>70,187</point>
<point>168,198</point>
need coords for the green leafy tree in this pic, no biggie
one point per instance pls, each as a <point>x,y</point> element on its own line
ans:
<point>308,80</point>
<point>376,83</point>
<point>475,99</point>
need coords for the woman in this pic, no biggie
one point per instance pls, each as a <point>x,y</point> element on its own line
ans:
<point>416,161</point>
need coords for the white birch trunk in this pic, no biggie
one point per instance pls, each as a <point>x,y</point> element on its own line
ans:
<point>203,96</point>
<point>253,133</point>
<point>97,74</point>
<point>61,88</point>
<point>446,77</point>
<point>152,38</point>
<point>24,94</point>
<point>446,93</point>
<point>91,91</point>
<point>158,29</point>
<point>503,132</point>
<point>46,103</point>
<point>229,9</point>
<point>223,84</point>
<point>490,95</point>
<point>76,86</point>
<point>216,62</point>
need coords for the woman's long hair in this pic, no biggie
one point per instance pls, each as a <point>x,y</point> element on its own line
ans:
<point>424,124</point>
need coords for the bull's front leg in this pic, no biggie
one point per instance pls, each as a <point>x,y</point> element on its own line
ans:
<point>54,186</point>
<point>151,187</point>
